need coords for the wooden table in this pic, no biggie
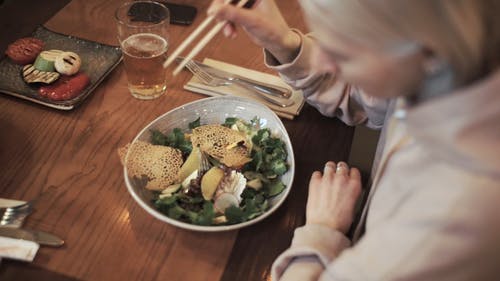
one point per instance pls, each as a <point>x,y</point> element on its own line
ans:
<point>73,156</point>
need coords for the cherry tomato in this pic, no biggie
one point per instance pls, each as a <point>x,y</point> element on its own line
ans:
<point>24,50</point>
<point>65,88</point>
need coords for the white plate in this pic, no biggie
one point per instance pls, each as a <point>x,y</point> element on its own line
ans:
<point>214,111</point>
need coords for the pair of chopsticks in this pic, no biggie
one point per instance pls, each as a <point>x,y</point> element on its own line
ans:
<point>204,41</point>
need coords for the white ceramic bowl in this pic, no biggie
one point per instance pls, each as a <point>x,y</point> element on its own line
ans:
<point>214,111</point>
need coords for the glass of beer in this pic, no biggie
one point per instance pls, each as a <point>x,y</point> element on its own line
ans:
<point>143,35</point>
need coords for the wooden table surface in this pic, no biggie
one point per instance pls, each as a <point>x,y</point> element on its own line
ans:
<point>71,156</point>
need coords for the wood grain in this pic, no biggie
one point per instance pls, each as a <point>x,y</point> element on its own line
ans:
<point>73,156</point>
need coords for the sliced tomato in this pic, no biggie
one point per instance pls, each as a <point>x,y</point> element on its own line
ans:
<point>24,50</point>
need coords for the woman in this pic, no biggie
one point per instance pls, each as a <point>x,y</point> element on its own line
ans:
<point>427,72</point>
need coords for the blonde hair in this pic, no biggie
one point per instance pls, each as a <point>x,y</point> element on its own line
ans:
<point>465,33</point>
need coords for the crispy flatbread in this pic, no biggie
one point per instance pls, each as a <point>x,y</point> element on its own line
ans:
<point>160,164</point>
<point>229,146</point>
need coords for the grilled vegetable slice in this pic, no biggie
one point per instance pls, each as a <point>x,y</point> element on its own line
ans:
<point>24,50</point>
<point>33,75</point>
<point>67,63</point>
<point>66,88</point>
<point>45,60</point>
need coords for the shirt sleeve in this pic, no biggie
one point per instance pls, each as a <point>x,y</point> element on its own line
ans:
<point>426,238</point>
<point>325,92</point>
<point>313,248</point>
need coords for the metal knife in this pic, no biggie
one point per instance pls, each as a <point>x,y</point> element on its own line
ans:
<point>40,237</point>
<point>273,90</point>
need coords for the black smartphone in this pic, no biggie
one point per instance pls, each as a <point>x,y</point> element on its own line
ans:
<point>179,14</point>
<point>247,5</point>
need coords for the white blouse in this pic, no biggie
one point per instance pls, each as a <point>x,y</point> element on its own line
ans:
<point>432,212</point>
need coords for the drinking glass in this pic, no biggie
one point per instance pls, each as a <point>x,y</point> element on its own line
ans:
<point>143,35</point>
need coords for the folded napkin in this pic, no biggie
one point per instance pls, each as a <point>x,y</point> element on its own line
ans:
<point>18,249</point>
<point>195,85</point>
<point>6,203</point>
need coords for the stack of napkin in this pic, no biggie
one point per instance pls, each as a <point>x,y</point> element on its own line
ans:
<point>195,85</point>
<point>16,248</point>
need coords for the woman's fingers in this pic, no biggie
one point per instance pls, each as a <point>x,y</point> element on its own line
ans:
<point>264,24</point>
<point>329,170</point>
<point>214,6</point>
<point>315,178</point>
<point>355,174</point>
<point>332,169</point>
<point>229,30</point>
<point>314,189</point>
<point>333,195</point>
<point>342,169</point>
<point>233,14</point>
<point>355,182</point>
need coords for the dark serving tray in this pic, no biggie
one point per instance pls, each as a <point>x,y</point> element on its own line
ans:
<point>98,60</point>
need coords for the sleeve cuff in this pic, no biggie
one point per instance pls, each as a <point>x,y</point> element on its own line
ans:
<point>315,240</point>
<point>300,66</point>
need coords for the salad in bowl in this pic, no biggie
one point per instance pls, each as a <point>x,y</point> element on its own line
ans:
<point>211,165</point>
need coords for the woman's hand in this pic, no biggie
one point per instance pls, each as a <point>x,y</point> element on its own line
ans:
<point>264,24</point>
<point>333,195</point>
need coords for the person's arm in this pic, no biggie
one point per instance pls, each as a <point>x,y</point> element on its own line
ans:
<point>329,214</point>
<point>313,248</point>
<point>436,233</point>
<point>330,96</point>
<point>263,23</point>
<point>289,52</point>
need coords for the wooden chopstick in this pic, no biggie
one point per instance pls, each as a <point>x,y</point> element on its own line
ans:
<point>190,38</point>
<point>204,41</point>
